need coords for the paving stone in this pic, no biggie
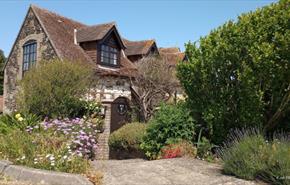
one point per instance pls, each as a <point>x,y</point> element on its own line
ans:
<point>179,171</point>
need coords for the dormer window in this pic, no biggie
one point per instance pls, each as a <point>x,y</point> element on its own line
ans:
<point>29,55</point>
<point>109,55</point>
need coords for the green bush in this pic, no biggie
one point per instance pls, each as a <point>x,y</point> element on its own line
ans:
<point>128,137</point>
<point>171,122</point>
<point>41,150</point>
<point>238,76</point>
<point>55,89</point>
<point>248,155</point>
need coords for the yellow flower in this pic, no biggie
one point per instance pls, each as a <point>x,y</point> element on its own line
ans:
<point>20,119</point>
<point>17,116</point>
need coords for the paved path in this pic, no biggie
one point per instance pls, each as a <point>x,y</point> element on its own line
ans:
<point>178,171</point>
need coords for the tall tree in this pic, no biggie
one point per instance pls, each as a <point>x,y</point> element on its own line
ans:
<point>2,63</point>
<point>239,75</point>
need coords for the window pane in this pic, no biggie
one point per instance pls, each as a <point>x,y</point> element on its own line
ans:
<point>33,48</point>
<point>29,55</point>
<point>25,66</point>
<point>106,54</point>
<point>106,60</point>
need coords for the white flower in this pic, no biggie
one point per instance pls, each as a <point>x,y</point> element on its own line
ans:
<point>48,155</point>
<point>23,157</point>
<point>51,158</point>
<point>64,157</point>
<point>52,164</point>
<point>35,162</point>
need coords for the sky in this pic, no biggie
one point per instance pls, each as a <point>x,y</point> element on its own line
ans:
<point>172,23</point>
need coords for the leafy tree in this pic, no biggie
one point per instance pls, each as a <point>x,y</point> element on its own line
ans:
<point>2,63</point>
<point>238,75</point>
<point>55,88</point>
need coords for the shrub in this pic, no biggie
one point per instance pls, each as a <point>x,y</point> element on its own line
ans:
<point>128,136</point>
<point>17,121</point>
<point>54,89</point>
<point>171,122</point>
<point>204,148</point>
<point>82,135</point>
<point>238,76</point>
<point>248,155</point>
<point>278,165</point>
<point>42,150</point>
<point>179,149</point>
<point>92,108</point>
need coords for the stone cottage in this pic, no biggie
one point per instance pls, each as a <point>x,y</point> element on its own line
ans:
<point>45,35</point>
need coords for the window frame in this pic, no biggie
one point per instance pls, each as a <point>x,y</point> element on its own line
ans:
<point>109,52</point>
<point>29,55</point>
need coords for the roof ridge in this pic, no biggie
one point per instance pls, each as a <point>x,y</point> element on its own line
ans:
<point>56,14</point>
<point>97,25</point>
<point>145,40</point>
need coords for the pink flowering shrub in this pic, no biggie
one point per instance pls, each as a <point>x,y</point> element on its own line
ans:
<point>81,134</point>
<point>43,150</point>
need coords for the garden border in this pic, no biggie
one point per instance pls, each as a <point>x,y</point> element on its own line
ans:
<point>33,175</point>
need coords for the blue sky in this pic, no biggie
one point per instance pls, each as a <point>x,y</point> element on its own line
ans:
<point>169,22</point>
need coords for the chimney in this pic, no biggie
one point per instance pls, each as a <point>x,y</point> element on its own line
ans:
<point>75,37</point>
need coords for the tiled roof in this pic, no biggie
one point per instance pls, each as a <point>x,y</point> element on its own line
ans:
<point>169,50</point>
<point>93,33</point>
<point>172,55</point>
<point>60,31</point>
<point>138,47</point>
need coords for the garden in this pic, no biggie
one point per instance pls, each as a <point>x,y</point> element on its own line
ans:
<point>237,106</point>
<point>54,128</point>
<point>236,111</point>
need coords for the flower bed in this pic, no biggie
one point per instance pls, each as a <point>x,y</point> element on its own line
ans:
<point>61,145</point>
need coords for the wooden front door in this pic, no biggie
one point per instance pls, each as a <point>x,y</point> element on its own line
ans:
<point>120,113</point>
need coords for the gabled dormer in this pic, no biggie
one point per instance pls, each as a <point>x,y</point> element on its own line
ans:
<point>135,50</point>
<point>102,43</point>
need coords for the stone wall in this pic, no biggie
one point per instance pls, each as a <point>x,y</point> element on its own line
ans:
<point>110,88</point>
<point>31,30</point>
